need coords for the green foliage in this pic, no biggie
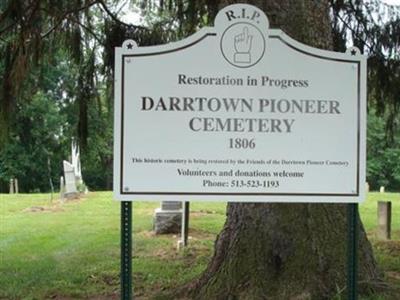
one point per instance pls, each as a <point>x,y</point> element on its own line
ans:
<point>33,154</point>
<point>383,158</point>
<point>97,156</point>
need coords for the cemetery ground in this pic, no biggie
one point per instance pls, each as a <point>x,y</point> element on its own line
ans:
<point>50,250</point>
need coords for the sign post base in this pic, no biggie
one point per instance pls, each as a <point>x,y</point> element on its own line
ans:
<point>352,243</point>
<point>126,250</point>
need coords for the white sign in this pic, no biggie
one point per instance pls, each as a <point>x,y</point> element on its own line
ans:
<point>239,112</point>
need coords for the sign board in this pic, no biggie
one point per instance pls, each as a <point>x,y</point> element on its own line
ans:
<point>239,112</point>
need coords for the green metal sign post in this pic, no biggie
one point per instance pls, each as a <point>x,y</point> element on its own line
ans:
<point>352,243</point>
<point>126,250</point>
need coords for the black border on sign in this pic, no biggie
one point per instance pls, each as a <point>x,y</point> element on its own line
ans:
<point>122,192</point>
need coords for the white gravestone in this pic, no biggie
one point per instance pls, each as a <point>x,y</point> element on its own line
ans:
<point>76,162</point>
<point>70,180</point>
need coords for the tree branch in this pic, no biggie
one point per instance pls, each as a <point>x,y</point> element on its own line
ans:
<point>65,15</point>
<point>7,28</point>
<point>114,18</point>
<point>356,34</point>
<point>72,19</point>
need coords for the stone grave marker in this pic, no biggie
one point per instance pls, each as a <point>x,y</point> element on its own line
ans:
<point>384,220</point>
<point>70,181</point>
<point>168,218</point>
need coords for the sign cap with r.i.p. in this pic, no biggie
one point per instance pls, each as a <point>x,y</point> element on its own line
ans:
<point>244,32</point>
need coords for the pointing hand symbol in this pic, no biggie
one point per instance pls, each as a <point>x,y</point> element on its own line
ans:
<point>242,43</point>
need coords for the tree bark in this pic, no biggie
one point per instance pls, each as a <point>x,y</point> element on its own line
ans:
<point>286,251</point>
<point>283,251</point>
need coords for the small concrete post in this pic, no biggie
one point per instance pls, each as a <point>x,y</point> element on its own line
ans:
<point>384,219</point>
<point>367,187</point>
<point>62,188</point>
<point>16,185</point>
<point>12,186</point>
<point>382,189</point>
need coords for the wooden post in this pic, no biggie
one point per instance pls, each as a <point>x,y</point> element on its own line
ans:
<point>12,186</point>
<point>384,220</point>
<point>16,185</point>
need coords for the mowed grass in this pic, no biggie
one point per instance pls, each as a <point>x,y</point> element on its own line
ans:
<point>73,249</point>
<point>50,250</point>
<point>387,253</point>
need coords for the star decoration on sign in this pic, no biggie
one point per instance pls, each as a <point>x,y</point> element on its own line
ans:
<point>353,52</point>
<point>129,46</point>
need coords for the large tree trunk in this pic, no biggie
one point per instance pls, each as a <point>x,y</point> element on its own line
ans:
<point>283,251</point>
<point>286,251</point>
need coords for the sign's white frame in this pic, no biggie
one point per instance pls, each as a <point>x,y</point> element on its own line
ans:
<point>131,50</point>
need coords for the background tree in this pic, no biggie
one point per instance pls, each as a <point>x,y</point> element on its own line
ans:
<point>383,164</point>
<point>39,37</point>
<point>40,125</point>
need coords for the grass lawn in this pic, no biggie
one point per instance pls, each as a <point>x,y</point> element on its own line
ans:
<point>71,251</point>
